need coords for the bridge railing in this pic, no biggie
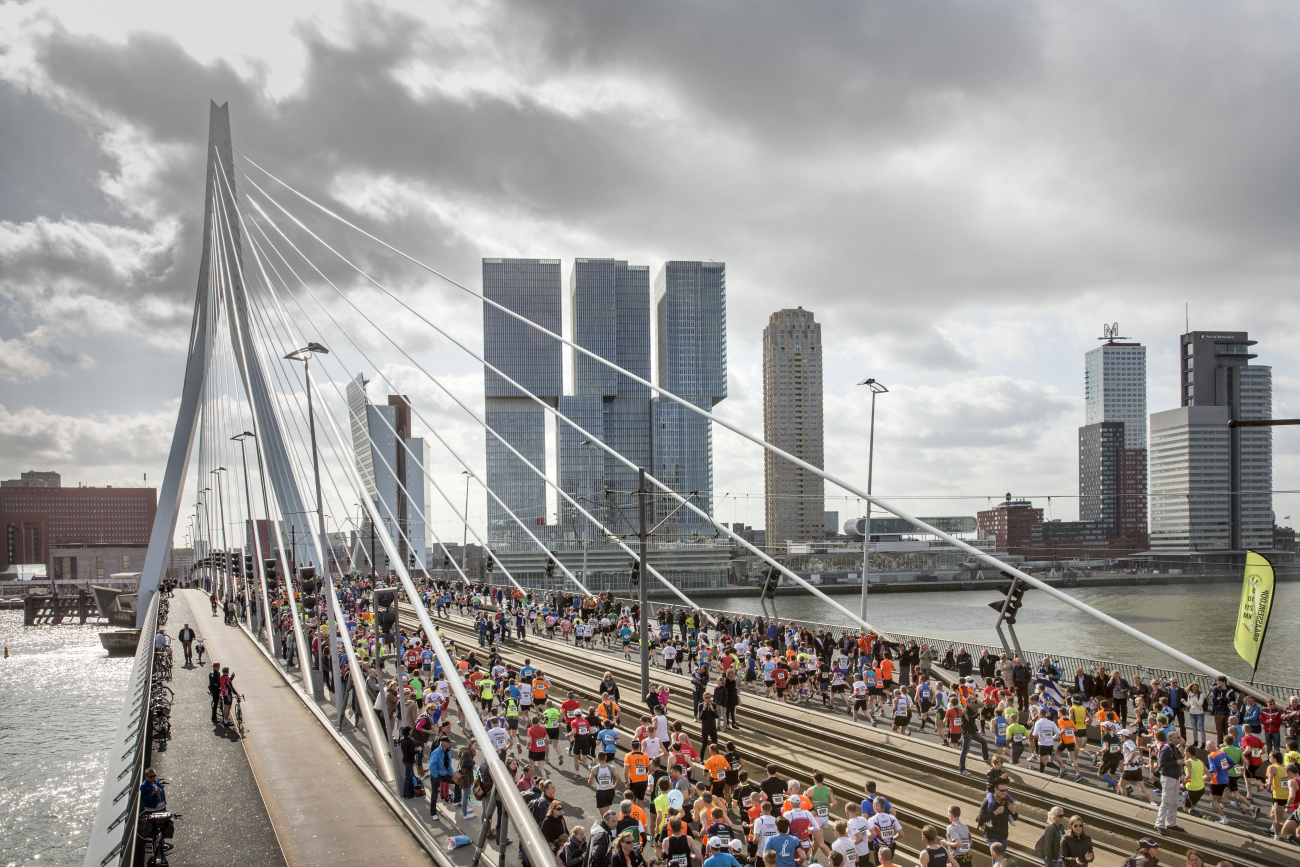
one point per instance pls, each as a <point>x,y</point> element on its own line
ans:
<point>113,838</point>
<point>1067,665</point>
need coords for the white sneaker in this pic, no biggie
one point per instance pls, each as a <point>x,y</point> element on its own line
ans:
<point>1224,821</point>
<point>469,816</point>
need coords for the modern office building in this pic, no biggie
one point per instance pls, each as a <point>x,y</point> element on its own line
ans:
<point>1211,484</point>
<point>35,519</point>
<point>34,479</point>
<point>793,497</point>
<point>386,453</point>
<point>531,289</point>
<point>610,316</point>
<point>691,338</point>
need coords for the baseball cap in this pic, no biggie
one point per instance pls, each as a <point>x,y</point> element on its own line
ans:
<point>1149,843</point>
<point>1125,732</point>
<point>736,845</point>
<point>715,843</point>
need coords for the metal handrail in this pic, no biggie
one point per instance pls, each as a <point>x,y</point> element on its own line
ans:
<point>114,833</point>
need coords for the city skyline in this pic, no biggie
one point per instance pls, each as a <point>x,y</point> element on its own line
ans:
<point>962,251</point>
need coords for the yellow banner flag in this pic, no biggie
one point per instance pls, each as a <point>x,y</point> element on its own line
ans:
<point>1256,605</point>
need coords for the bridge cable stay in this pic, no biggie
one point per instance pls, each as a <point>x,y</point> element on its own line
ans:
<point>284,318</point>
<point>684,501</point>
<point>434,430</point>
<point>523,525</point>
<point>382,756</point>
<point>258,253</point>
<point>848,486</point>
<point>483,423</point>
<point>299,634</point>
<point>513,800</point>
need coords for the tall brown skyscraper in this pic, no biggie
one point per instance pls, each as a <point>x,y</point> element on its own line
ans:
<point>792,420</point>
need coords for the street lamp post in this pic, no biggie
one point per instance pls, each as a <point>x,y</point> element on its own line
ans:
<point>876,388</point>
<point>464,535</point>
<point>225,547</point>
<point>257,565</point>
<point>304,355</point>
<point>200,514</point>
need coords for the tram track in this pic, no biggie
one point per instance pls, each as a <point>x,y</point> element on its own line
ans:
<point>919,778</point>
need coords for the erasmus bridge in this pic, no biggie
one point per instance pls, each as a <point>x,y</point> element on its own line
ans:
<point>256,399</point>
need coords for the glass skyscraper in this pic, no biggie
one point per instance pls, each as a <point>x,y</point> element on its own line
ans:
<point>610,310</point>
<point>691,330</point>
<point>531,288</point>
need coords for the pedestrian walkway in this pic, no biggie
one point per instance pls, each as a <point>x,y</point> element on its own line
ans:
<point>210,783</point>
<point>322,809</point>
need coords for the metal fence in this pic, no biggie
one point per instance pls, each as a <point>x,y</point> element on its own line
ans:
<point>113,838</point>
<point>1066,664</point>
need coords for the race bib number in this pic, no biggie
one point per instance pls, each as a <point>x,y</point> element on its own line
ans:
<point>887,834</point>
<point>539,744</point>
<point>679,860</point>
<point>823,811</point>
<point>1018,738</point>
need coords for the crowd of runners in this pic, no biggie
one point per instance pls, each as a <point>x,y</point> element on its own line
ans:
<point>683,799</point>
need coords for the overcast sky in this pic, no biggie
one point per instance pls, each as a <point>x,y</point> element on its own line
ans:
<point>962,193</point>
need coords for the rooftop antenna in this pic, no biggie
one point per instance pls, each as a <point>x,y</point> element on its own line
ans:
<point>1110,333</point>
<point>1187,321</point>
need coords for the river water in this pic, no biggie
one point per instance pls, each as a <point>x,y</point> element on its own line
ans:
<point>60,695</point>
<point>1197,619</point>
<point>60,699</point>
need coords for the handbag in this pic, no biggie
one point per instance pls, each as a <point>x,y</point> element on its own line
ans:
<point>459,779</point>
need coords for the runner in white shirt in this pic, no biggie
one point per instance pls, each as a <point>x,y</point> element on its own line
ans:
<point>844,845</point>
<point>764,827</point>
<point>901,707</point>
<point>1045,731</point>
<point>959,834</point>
<point>884,829</point>
<point>859,830</point>
<point>860,700</point>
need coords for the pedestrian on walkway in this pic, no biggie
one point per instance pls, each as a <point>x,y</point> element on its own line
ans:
<point>1053,836</point>
<point>214,689</point>
<point>186,638</point>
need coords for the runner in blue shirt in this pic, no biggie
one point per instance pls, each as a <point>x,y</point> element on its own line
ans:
<point>608,738</point>
<point>789,851</point>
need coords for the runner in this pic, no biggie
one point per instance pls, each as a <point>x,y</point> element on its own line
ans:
<point>606,779</point>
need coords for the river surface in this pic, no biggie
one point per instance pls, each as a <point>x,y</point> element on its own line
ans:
<point>60,699</point>
<point>1197,619</point>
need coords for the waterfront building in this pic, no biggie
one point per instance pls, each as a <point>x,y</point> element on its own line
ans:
<point>1009,524</point>
<point>531,289</point>
<point>691,336</point>
<point>386,453</point>
<point>792,421</point>
<point>36,518</point>
<point>1211,484</point>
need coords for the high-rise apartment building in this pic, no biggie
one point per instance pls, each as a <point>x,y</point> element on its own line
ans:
<point>1211,485</point>
<point>34,479</point>
<point>530,288</point>
<point>691,337</point>
<point>386,453</point>
<point>610,316</point>
<point>792,421</point>
<point>1113,443</point>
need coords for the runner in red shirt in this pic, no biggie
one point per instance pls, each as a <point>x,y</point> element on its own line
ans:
<point>780,679</point>
<point>571,709</point>
<point>582,742</point>
<point>537,742</point>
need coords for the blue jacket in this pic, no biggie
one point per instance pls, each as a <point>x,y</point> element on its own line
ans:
<point>440,763</point>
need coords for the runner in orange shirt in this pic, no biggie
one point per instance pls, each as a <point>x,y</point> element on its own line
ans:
<point>716,764</point>
<point>637,767</point>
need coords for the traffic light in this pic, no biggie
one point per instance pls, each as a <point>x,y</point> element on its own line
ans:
<point>410,561</point>
<point>238,564</point>
<point>385,606</point>
<point>307,585</point>
<point>634,578</point>
<point>272,575</point>
<point>550,567</point>
<point>770,582</point>
<point>446,562</point>
<point>1015,601</point>
<point>490,564</point>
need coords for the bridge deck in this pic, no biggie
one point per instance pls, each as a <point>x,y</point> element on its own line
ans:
<point>321,807</point>
<point>780,730</point>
